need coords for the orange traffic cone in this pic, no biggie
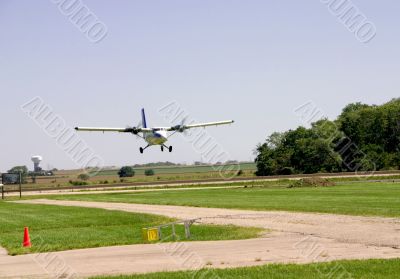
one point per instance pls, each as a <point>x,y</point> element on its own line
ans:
<point>27,240</point>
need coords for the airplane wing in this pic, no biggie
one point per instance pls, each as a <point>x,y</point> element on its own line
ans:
<point>181,128</point>
<point>132,130</point>
<point>136,130</point>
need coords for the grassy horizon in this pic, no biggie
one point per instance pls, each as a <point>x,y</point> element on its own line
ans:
<point>363,199</point>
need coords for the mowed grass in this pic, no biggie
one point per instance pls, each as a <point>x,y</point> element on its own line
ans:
<point>55,228</point>
<point>184,169</point>
<point>376,269</point>
<point>365,199</point>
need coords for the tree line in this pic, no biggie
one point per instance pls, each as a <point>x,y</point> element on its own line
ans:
<point>362,138</point>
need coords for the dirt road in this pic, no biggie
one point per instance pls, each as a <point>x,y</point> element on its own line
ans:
<point>296,238</point>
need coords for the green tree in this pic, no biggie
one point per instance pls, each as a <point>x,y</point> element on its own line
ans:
<point>126,172</point>
<point>313,155</point>
<point>363,137</point>
<point>20,169</point>
<point>265,160</point>
<point>376,131</point>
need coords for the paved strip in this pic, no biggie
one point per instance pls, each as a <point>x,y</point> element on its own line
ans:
<point>375,231</point>
<point>278,248</point>
<point>3,252</point>
<point>297,238</point>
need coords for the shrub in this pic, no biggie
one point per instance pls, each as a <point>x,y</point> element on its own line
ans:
<point>78,183</point>
<point>126,172</point>
<point>83,176</point>
<point>149,172</point>
<point>311,182</point>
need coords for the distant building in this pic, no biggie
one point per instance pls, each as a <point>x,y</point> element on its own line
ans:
<point>36,163</point>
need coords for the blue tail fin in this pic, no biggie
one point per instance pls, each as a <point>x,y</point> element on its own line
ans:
<point>144,123</point>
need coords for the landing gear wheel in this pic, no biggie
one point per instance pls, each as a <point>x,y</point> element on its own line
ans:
<point>141,150</point>
<point>170,149</point>
<point>162,148</point>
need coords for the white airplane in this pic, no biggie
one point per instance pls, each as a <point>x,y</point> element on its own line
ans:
<point>154,136</point>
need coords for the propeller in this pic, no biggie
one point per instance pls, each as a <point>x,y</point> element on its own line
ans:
<point>181,127</point>
<point>134,130</point>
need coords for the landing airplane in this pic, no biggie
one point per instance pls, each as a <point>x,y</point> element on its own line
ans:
<point>154,136</point>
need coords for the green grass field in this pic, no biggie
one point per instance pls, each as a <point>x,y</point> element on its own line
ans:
<point>55,228</point>
<point>377,269</point>
<point>161,174</point>
<point>181,169</point>
<point>369,199</point>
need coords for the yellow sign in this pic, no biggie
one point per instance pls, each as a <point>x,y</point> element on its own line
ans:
<point>150,235</point>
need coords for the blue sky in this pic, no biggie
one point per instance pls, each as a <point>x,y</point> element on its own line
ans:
<point>252,61</point>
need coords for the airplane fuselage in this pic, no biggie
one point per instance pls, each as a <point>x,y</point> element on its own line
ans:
<point>156,137</point>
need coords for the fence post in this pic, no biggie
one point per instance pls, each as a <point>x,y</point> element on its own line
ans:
<point>173,231</point>
<point>20,185</point>
<point>159,234</point>
<point>187,229</point>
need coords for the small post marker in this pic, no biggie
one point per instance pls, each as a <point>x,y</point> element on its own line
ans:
<point>27,240</point>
